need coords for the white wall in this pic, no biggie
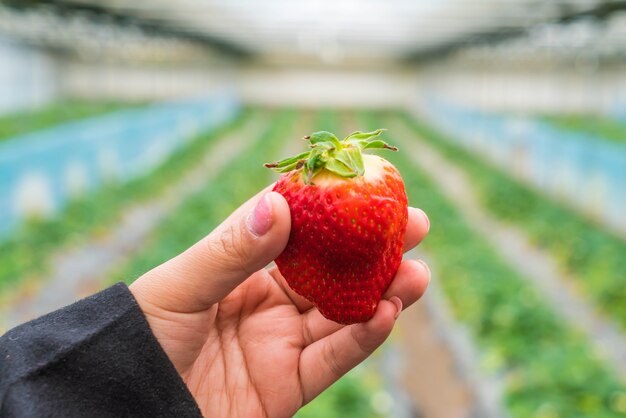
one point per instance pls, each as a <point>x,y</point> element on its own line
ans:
<point>335,87</point>
<point>560,90</point>
<point>147,82</point>
<point>28,77</point>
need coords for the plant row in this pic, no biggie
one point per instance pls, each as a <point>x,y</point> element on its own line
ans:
<point>594,257</point>
<point>357,394</point>
<point>25,254</point>
<point>601,126</point>
<point>24,122</point>
<point>548,369</point>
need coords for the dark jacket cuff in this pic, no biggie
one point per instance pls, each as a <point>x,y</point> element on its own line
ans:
<point>94,358</point>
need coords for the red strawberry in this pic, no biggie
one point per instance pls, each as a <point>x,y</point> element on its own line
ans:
<point>348,219</point>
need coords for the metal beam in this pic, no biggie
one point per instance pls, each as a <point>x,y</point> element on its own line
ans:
<point>102,12</point>
<point>566,14</point>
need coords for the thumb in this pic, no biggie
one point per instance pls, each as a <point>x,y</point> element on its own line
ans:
<point>253,236</point>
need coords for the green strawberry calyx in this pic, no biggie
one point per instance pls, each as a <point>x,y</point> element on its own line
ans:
<point>343,158</point>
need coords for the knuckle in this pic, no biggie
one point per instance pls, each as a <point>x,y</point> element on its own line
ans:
<point>306,332</point>
<point>367,344</point>
<point>231,242</point>
<point>229,245</point>
<point>330,357</point>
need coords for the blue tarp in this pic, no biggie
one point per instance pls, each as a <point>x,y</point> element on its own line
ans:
<point>41,171</point>
<point>585,171</point>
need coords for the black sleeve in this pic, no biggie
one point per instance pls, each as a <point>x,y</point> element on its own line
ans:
<point>95,358</point>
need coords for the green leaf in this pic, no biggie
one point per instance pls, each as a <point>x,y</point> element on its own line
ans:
<point>340,168</point>
<point>352,158</point>
<point>323,136</point>
<point>364,135</point>
<point>290,167</point>
<point>379,144</point>
<point>324,145</point>
<point>291,160</point>
<point>312,165</point>
<point>328,151</point>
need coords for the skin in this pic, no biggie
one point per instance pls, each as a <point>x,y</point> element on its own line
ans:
<point>244,343</point>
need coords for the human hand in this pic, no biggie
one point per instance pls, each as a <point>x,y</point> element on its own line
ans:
<point>244,342</point>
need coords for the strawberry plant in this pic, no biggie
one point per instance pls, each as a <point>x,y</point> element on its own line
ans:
<point>350,396</point>
<point>590,254</point>
<point>548,369</point>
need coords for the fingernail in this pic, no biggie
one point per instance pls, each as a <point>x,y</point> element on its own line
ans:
<point>396,301</point>
<point>425,218</point>
<point>425,266</point>
<point>260,220</point>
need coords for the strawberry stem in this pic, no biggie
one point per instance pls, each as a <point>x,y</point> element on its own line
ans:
<point>343,158</point>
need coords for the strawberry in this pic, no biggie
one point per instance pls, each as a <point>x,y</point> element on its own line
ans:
<point>348,219</point>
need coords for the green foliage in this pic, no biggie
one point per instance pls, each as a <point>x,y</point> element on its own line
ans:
<point>546,366</point>
<point>590,254</point>
<point>327,120</point>
<point>24,122</point>
<point>25,254</point>
<point>340,157</point>
<point>350,397</point>
<point>602,126</point>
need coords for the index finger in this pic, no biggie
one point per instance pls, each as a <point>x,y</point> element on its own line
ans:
<point>416,228</point>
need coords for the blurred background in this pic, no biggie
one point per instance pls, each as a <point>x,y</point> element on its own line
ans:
<point>129,129</point>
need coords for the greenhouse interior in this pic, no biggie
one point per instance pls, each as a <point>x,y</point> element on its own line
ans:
<point>129,130</point>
